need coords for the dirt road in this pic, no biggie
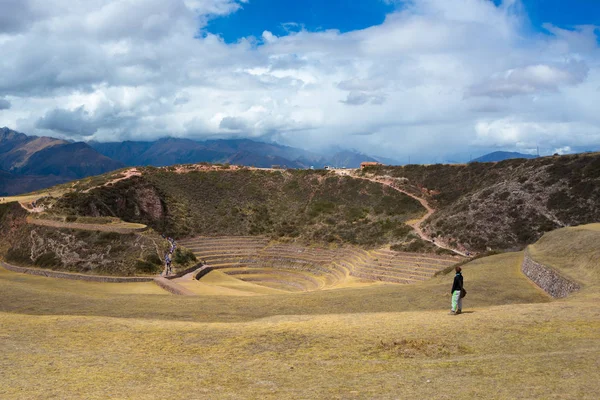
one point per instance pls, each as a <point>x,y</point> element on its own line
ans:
<point>415,224</point>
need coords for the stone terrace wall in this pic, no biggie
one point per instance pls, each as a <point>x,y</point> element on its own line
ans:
<point>548,279</point>
<point>79,277</point>
<point>172,287</point>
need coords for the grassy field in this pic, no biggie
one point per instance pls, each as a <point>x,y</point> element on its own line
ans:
<point>72,340</point>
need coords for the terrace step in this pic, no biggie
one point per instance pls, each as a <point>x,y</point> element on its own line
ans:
<point>258,279</point>
<point>391,274</point>
<point>424,268</point>
<point>382,278</point>
<point>404,255</point>
<point>412,271</point>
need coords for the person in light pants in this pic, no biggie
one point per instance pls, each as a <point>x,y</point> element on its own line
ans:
<point>457,287</point>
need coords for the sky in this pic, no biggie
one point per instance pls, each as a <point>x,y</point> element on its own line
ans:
<point>434,80</point>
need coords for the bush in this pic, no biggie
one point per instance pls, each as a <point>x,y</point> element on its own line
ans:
<point>184,256</point>
<point>108,237</point>
<point>48,260</point>
<point>146,267</point>
<point>153,258</point>
<point>18,256</point>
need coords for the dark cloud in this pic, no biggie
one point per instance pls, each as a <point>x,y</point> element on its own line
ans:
<point>361,98</point>
<point>233,124</point>
<point>70,123</point>
<point>16,15</point>
<point>4,104</point>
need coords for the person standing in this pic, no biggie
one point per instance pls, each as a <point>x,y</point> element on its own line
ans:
<point>457,290</point>
<point>167,265</point>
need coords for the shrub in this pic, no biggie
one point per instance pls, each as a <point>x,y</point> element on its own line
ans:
<point>48,260</point>
<point>145,267</point>
<point>183,256</point>
<point>108,237</point>
<point>153,258</point>
<point>18,256</point>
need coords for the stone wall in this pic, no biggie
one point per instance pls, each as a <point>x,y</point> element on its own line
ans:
<point>547,278</point>
<point>184,272</point>
<point>203,271</point>
<point>173,287</point>
<point>79,277</point>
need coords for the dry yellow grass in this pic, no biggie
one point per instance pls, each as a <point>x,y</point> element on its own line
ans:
<point>72,340</point>
<point>217,283</point>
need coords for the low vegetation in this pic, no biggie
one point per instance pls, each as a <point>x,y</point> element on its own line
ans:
<point>308,206</point>
<point>504,205</point>
<point>82,251</point>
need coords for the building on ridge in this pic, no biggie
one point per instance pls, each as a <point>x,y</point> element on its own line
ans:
<point>369,164</point>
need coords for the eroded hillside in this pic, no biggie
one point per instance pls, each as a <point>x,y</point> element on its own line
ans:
<point>507,204</point>
<point>77,250</point>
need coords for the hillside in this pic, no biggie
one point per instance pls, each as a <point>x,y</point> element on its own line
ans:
<point>77,250</point>
<point>507,204</point>
<point>299,205</point>
<point>16,148</point>
<point>34,163</point>
<point>12,184</point>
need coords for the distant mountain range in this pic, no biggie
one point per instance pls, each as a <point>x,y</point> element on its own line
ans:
<point>501,156</point>
<point>29,163</point>
<point>247,152</point>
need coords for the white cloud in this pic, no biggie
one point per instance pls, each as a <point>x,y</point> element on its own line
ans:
<point>531,79</point>
<point>436,77</point>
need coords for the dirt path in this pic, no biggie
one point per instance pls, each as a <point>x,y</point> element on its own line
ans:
<point>123,227</point>
<point>415,224</point>
<point>126,175</point>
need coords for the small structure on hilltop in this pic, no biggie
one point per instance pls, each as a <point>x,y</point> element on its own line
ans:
<point>369,164</point>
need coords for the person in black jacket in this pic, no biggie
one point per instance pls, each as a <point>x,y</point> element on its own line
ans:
<point>457,287</point>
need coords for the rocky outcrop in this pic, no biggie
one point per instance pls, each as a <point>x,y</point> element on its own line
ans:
<point>149,203</point>
<point>548,279</point>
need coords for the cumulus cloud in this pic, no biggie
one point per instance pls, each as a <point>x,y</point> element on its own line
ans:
<point>435,78</point>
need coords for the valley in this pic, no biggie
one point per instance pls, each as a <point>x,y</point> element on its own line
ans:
<point>304,284</point>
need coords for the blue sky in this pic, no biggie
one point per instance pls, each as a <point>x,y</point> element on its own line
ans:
<point>256,16</point>
<point>563,13</point>
<point>314,15</point>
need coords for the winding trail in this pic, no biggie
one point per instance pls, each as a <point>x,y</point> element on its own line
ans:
<point>126,175</point>
<point>415,224</point>
<point>122,227</point>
